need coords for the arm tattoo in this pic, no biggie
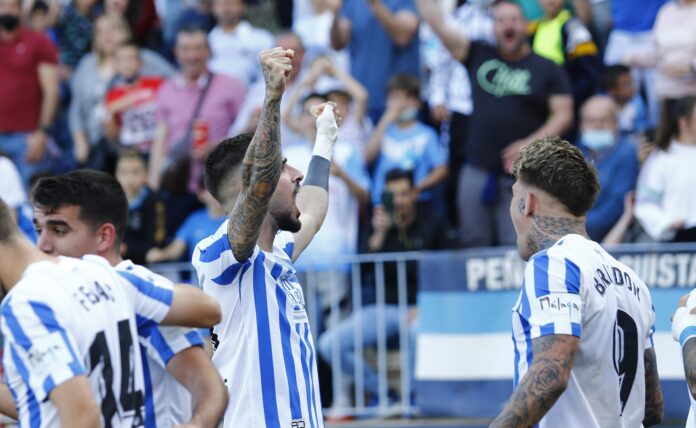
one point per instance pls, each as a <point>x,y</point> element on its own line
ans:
<point>544,382</point>
<point>261,171</point>
<point>546,230</point>
<point>654,401</point>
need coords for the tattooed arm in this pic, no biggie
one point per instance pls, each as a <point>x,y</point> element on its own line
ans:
<point>544,382</point>
<point>263,161</point>
<point>653,393</point>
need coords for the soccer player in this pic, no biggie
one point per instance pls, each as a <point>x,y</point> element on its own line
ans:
<point>583,324</point>
<point>85,212</point>
<point>683,331</point>
<point>264,350</point>
<point>69,325</point>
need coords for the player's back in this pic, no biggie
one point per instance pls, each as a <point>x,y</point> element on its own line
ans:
<point>70,318</point>
<point>607,381</point>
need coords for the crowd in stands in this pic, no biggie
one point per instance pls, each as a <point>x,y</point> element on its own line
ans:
<point>437,98</point>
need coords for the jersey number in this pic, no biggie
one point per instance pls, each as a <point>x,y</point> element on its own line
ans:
<point>130,399</point>
<point>625,354</point>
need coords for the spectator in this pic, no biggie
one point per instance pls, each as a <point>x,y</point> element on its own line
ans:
<point>197,226</point>
<point>674,51</point>
<point>90,83</point>
<point>397,227</point>
<point>450,88</point>
<point>75,31</point>
<point>42,20</point>
<point>13,194</point>
<point>235,44</point>
<point>518,97</point>
<point>617,82</point>
<point>615,158</point>
<point>565,40</point>
<point>631,39</point>
<point>665,201</point>
<point>197,15</point>
<point>219,99</point>
<point>315,29</point>
<point>401,141</point>
<point>248,114</point>
<point>145,228</point>
<point>131,103</point>
<point>351,102</point>
<point>29,92</point>
<point>381,37</point>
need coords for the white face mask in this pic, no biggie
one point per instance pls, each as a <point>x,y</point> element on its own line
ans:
<point>598,139</point>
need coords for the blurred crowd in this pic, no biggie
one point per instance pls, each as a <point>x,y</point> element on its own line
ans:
<point>437,96</point>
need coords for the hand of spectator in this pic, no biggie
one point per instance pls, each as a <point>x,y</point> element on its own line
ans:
<point>394,109</point>
<point>645,148</point>
<point>36,146</point>
<point>381,220</point>
<point>629,204</point>
<point>510,154</point>
<point>440,113</point>
<point>80,149</point>
<point>677,225</point>
<point>276,65</point>
<point>677,70</point>
<point>154,255</point>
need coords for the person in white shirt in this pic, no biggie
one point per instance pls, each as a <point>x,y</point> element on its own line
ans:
<point>234,43</point>
<point>583,324</point>
<point>69,325</point>
<point>263,346</point>
<point>665,198</point>
<point>84,212</point>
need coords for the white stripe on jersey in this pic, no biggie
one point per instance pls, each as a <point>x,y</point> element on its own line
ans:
<point>167,402</point>
<point>73,318</point>
<point>264,334</point>
<point>577,288</point>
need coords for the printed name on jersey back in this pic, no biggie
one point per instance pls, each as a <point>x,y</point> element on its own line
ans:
<point>559,307</point>
<point>606,276</point>
<point>93,294</point>
<point>46,354</point>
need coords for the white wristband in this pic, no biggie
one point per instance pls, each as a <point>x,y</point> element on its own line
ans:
<point>683,325</point>
<point>327,132</point>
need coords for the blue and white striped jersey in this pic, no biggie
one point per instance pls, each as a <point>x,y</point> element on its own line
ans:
<point>167,402</point>
<point>577,288</point>
<point>265,352</point>
<point>78,317</point>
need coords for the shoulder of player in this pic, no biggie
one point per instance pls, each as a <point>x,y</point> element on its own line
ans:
<point>143,273</point>
<point>212,247</point>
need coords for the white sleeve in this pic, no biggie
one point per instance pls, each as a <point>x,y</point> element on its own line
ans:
<point>650,191</point>
<point>11,188</point>
<point>151,301</point>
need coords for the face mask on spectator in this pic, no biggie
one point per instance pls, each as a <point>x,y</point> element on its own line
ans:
<point>480,2</point>
<point>9,22</point>
<point>598,139</point>
<point>408,114</point>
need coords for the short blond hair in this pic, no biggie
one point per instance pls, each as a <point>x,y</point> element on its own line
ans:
<point>561,170</point>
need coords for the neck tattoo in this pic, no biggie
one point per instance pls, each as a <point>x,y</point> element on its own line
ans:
<point>546,230</point>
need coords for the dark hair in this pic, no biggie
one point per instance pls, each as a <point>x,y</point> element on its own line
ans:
<point>399,174</point>
<point>561,170</point>
<point>405,82</point>
<point>223,161</point>
<point>314,95</point>
<point>670,113</point>
<point>339,93</point>
<point>609,77</point>
<point>38,6</point>
<point>131,154</point>
<point>100,197</point>
<point>192,29</point>
<point>8,228</point>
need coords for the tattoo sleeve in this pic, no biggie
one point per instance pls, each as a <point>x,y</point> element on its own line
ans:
<point>654,401</point>
<point>544,382</point>
<point>261,171</point>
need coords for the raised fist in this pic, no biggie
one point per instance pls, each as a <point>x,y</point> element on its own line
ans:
<point>327,119</point>
<point>276,65</point>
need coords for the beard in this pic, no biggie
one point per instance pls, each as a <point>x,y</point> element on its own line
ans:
<point>288,222</point>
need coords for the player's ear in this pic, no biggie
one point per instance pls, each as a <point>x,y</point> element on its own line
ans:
<point>531,200</point>
<point>106,237</point>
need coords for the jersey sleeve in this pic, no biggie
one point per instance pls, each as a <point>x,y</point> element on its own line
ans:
<point>39,344</point>
<point>214,261</point>
<point>163,343</point>
<point>151,301</point>
<point>551,300</point>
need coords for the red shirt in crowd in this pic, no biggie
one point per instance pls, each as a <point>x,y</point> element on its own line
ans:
<point>20,90</point>
<point>138,122</point>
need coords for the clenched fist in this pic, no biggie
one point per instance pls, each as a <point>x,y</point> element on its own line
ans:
<point>276,65</point>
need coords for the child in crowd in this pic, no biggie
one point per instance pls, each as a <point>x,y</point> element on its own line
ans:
<point>146,222</point>
<point>131,102</point>
<point>401,141</point>
<point>199,225</point>
<point>617,82</point>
